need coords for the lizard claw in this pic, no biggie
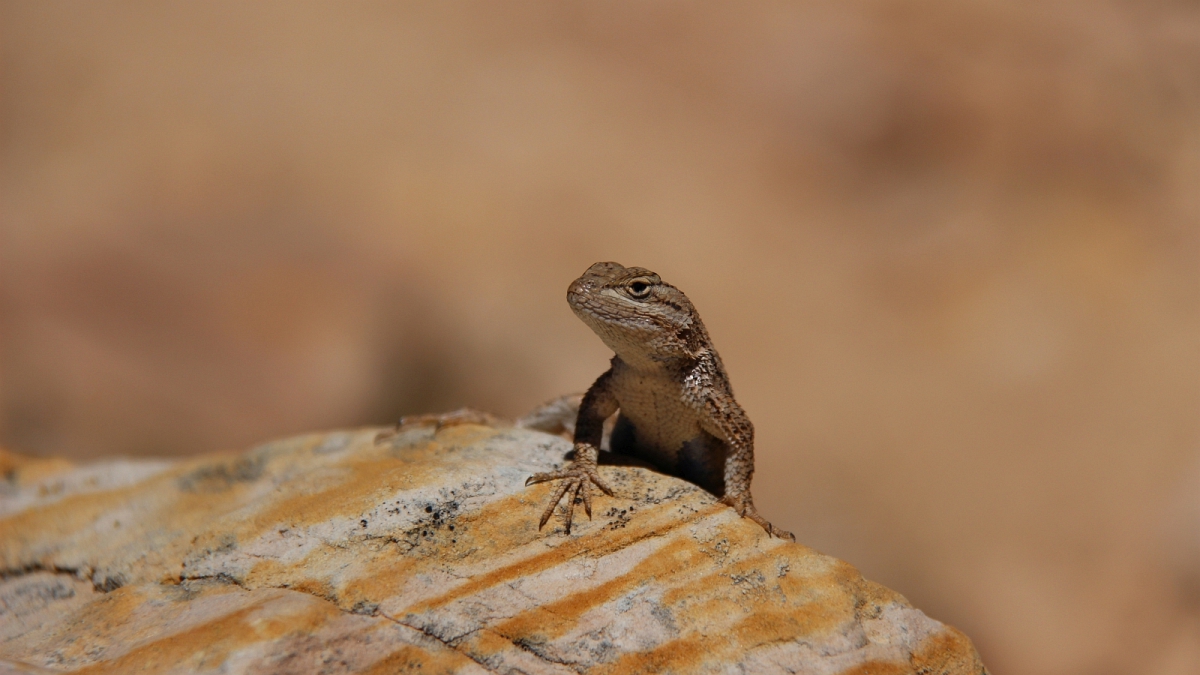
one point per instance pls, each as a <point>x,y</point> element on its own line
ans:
<point>745,508</point>
<point>576,483</point>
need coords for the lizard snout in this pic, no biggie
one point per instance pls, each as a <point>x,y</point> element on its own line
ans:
<point>579,291</point>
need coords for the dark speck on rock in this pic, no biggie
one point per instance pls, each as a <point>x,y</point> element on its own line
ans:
<point>222,476</point>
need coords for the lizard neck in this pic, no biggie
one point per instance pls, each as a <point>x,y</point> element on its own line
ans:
<point>660,351</point>
<point>644,363</point>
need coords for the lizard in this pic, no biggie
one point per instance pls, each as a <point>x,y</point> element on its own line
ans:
<point>669,388</point>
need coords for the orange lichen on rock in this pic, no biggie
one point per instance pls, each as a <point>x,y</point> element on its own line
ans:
<point>329,551</point>
<point>20,469</point>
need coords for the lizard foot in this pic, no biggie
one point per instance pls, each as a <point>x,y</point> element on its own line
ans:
<point>439,422</point>
<point>576,482</point>
<point>745,508</point>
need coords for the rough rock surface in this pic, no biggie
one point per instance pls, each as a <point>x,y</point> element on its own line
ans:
<point>327,554</point>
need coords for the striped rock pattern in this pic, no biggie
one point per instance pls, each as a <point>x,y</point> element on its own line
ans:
<point>327,553</point>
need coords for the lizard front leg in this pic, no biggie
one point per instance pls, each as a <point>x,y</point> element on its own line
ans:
<point>598,404</point>
<point>722,417</point>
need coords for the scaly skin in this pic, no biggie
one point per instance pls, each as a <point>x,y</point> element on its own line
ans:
<point>676,406</point>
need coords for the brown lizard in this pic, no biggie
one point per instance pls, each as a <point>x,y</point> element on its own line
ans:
<point>677,409</point>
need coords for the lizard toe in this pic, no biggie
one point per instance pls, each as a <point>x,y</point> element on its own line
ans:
<point>548,476</point>
<point>594,477</point>
<point>554,499</point>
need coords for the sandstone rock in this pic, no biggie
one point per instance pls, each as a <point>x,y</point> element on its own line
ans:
<point>327,553</point>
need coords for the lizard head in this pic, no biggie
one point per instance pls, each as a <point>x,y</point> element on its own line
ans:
<point>638,315</point>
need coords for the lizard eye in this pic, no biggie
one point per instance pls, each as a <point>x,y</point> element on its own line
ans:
<point>639,288</point>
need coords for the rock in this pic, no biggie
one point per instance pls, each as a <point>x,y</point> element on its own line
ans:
<point>328,553</point>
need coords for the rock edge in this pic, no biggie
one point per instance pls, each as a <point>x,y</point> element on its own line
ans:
<point>329,553</point>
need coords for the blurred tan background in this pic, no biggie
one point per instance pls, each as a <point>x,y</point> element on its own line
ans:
<point>950,253</point>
